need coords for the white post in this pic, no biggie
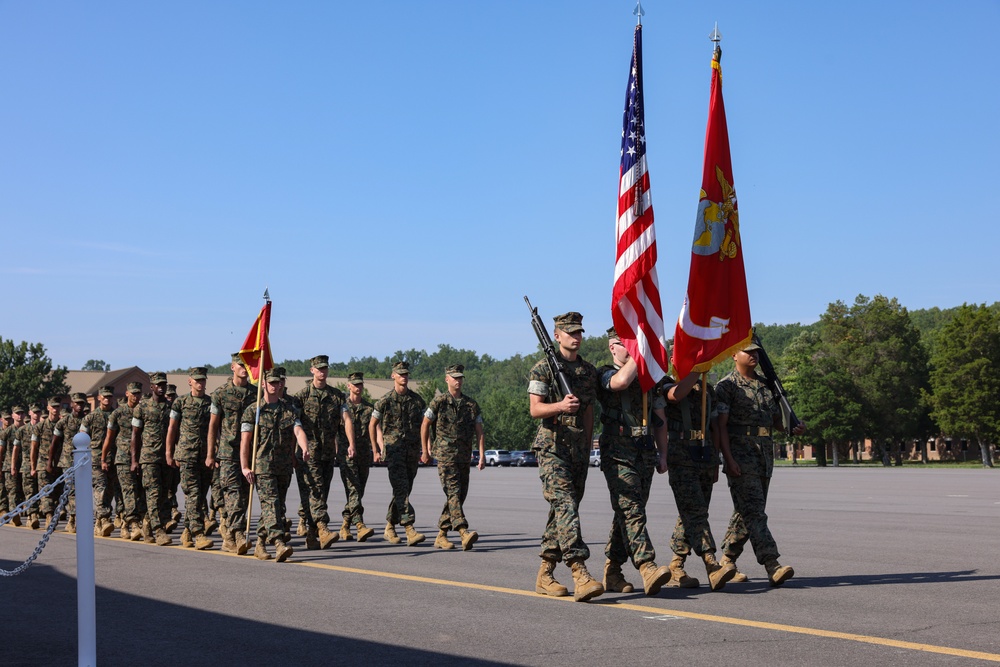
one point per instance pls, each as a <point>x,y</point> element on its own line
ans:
<point>86,605</point>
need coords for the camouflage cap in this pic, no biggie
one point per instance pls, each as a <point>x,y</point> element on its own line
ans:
<point>134,388</point>
<point>107,390</point>
<point>54,402</point>
<point>280,370</point>
<point>78,397</point>
<point>36,407</point>
<point>751,347</point>
<point>320,361</point>
<point>401,368</point>
<point>5,414</point>
<point>157,377</point>
<point>612,334</point>
<point>171,390</point>
<point>273,375</point>
<point>198,373</point>
<point>357,377</point>
<point>570,322</point>
<point>237,359</point>
<point>17,408</point>
<point>455,371</point>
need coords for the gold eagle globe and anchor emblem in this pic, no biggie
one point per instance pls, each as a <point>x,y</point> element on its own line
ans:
<point>712,234</point>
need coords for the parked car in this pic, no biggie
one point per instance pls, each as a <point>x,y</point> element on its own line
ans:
<point>595,457</point>
<point>497,457</point>
<point>527,458</point>
<point>514,456</point>
<point>475,458</point>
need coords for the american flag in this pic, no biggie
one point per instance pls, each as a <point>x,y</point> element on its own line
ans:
<point>635,300</point>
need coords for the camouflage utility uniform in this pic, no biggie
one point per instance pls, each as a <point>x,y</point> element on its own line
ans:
<point>95,425</point>
<point>41,436</point>
<point>354,472</point>
<point>133,508</point>
<point>323,411</point>
<point>153,417</point>
<point>230,402</point>
<point>401,416</point>
<point>192,414</point>
<point>273,464</point>
<point>455,421</point>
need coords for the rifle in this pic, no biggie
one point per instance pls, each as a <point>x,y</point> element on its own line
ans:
<point>772,381</point>
<point>562,380</point>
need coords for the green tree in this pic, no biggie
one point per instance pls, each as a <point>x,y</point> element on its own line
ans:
<point>965,377</point>
<point>27,375</point>
<point>96,365</point>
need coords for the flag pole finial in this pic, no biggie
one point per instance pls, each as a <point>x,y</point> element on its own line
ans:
<point>639,12</point>
<point>716,36</point>
<point>267,297</point>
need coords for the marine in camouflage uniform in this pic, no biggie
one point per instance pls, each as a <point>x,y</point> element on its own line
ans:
<point>279,431</point>
<point>29,476</point>
<point>400,414</point>
<point>95,424</point>
<point>172,475</point>
<point>149,443</point>
<point>354,471</point>
<point>563,445</point>
<point>187,448</point>
<point>41,449</point>
<point>62,448</point>
<point>633,446</point>
<point>116,459</point>
<point>693,461</point>
<point>747,413</point>
<point>10,473</point>
<point>457,422</point>
<point>324,410</point>
<point>228,404</point>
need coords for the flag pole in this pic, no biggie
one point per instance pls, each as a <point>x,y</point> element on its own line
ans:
<point>704,406</point>
<point>256,420</point>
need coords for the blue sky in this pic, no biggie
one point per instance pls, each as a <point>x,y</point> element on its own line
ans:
<point>400,173</point>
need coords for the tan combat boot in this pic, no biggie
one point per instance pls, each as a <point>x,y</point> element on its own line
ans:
<point>98,527</point>
<point>16,521</point>
<point>71,525</point>
<point>48,521</point>
<point>229,544</point>
<point>117,522</point>
<point>678,577</point>
<point>614,580</point>
<point>173,522</point>
<point>312,540</point>
<point>777,573</point>
<point>546,584</point>
<point>718,574</point>
<point>126,531</point>
<point>390,534</point>
<point>585,587</point>
<point>303,528</point>
<point>442,542</point>
<point>260,551</point>
<point>413,537</point>
<point>211,524</point>
<point>202,542</point>
<point>135,531</point>
<point>469,538</point>
<point>345,531</point>
<point>162,539</point>
<point>33,524</point>
<point>739,577</point>
<point>282,551</point>
<point>326,538</point>
<point>107,528</point>
<point>242,546</point>
<point>186,540</point>
<point>653,577</point>
<point>364,532</point>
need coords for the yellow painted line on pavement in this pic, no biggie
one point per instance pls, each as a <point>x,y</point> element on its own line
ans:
<point>660,611</point>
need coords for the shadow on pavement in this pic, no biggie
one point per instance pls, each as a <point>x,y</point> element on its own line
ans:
<point>38,609</point>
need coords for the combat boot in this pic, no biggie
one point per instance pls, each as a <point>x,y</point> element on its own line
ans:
<point>364,532</point>
<point>303,528</point>
<point>201,542</point>
<point>442,542</point>
<point>48,521</point>
<point>326,537</point>
<point>229,544</point>
<point>134,531</point>
<point>585,587</point>
<point>211,524</point>
<point>469,538</point>
<point>654,577</point>
<point>117,521</point>
<point>718,574</point>
<point>109,528</point>
<point>312,541</point>
<point>390,534</point>
<point>173,522</point>
<point>260,551</point>
<point>413,537</point>
<point>242,546</point>
<point>739,577</point>
<point>546,584</point>
<point>147,532</point>
<point>16,521</point>
<point>162,539</point>
<point>71,525</point>
<point>186,540</point>
<point>98,528</point>
<point>345,531</point>
<point>282,551</point>
<point>678,577</point>
<point>614,580</point>
<point>777,573</point>
<point>33,524</point>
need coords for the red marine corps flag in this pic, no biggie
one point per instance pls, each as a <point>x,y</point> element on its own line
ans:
<point>715,319</point>
<point>635,300</point>
<point>256,350</point>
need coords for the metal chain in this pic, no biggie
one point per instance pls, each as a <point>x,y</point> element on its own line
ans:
<point>70,481</point>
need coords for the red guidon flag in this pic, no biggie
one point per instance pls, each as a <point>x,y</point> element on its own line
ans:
<point>635,300</point>
<point>715,318</point>
<point>256,350</point>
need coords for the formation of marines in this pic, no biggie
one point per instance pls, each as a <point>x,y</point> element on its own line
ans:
<point>218,449</point>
